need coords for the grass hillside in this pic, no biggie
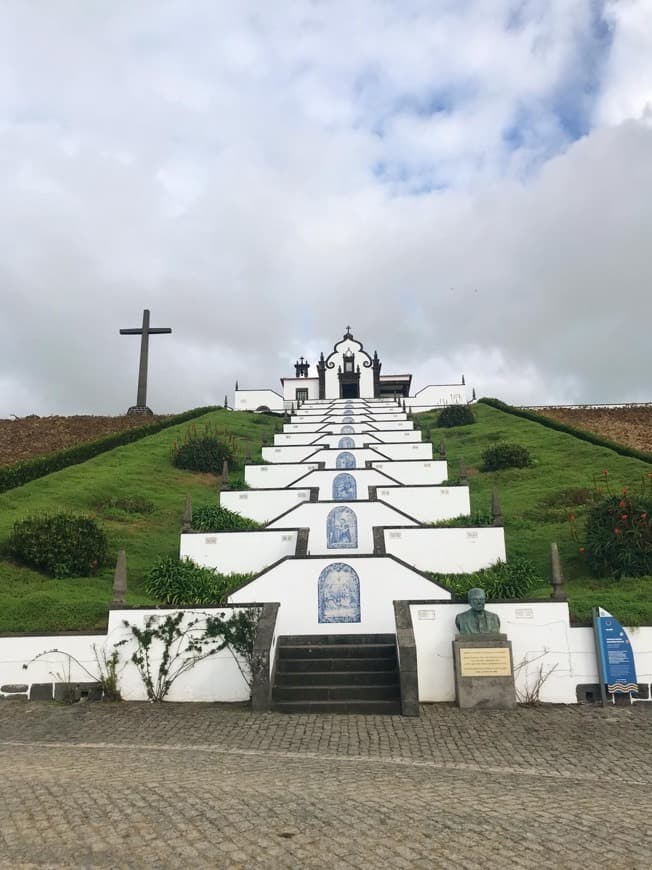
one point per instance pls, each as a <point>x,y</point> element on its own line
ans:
<point>112,487</point>
<point>537,502</point>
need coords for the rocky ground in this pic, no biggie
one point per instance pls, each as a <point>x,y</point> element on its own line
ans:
<point>630,426</point>
<point>26,437</point>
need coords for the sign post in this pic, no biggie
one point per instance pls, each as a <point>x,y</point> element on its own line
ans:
<point>616,666</point>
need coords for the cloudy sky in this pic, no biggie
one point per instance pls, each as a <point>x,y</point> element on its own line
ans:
<point>468,183</point>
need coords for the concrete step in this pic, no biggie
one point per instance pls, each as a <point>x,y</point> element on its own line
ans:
<point>335,639</point>
<point>385,708</point>
<point>337,678</point>
<point>319,665</point>
<point>333,651</point>
<point>336,693</point>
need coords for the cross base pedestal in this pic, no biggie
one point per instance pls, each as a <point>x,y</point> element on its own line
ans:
<point>141,410</point>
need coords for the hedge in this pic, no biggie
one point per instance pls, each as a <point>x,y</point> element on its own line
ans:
<point>15,475</point>
<point>582,434</point>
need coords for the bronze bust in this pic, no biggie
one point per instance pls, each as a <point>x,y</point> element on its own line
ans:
<point>477,620</point>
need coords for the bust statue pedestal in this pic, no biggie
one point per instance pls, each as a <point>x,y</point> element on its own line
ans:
<point>484,672</point>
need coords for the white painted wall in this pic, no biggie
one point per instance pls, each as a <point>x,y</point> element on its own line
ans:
<point>428,504</point>
<point>437,396</point>
<point>238,552</point>
<point>263,505</point>
<point>217,678</point>
<point>447,551</point>
<point>398,436</point>
<point>294,585</point>
<point>302,427</point>
<point>250,400</point>
<point>287,454</point>
<point>540,634</point>
<point>332,382</point>
<point>332,441</point>
<point>18,651</point>
<point>313,516</point>
<point>290,386</point>
<point>283,439</point>
<point>422,450</point>
<point>276,476</point>
<point>415,471</point>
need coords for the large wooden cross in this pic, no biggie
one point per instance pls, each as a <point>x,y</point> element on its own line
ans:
<point>145,331</point>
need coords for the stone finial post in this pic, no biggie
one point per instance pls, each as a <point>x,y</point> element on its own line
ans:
<point>186,525</point>
<point>236,386</point>
<point>264,440</point>
<point>119,594</point>
<point>248,459</point>
<point>442,449</point>
<point>226,402</point>
<point>464,475</point>
<point>556,576</point>
<point>463,381</point>
<point>495,508</point>
<point>225,474</point>
<point>404,404</point>
<point>474,397</point>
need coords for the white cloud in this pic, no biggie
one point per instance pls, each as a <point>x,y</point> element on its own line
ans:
<point>260,179</point>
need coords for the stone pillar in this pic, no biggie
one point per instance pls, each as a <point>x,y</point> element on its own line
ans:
<point>484,671</point>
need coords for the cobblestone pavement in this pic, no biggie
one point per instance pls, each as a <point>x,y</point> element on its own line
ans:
<point>200,785</point>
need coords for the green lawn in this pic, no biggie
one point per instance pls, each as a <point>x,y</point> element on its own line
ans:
<point>29,601</point>
<point>535,505</point>
<point>536,502</point>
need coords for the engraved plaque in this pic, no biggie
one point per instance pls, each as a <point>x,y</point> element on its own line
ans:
<point>277,450</point>
<point>472,534</point>
<point>427,464</point>
<point>524,613</point>
<point>243,495</point>
<point>211,540</point>
<point>303,495</point>
<point>395,535</point>
<point>264,469</point>
<point>286,537</point>
<point>384,492</point>
<point>445,491</point>
<point>426,614</point>
<point>485,662</point>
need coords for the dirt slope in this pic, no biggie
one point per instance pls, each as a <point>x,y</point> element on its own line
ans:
<point>34,436</point>
<point>630,426</point>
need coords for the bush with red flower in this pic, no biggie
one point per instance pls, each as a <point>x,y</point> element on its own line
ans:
<point>618,540</point>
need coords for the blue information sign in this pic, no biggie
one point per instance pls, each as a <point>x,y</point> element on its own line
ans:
<point>616,657</point>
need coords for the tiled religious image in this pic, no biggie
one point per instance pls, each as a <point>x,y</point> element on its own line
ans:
<point>341,529</point>
<point>338,592</point>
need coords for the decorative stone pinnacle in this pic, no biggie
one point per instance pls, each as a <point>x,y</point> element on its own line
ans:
<point>495,508</point>
<point>463,473</point>
<point>119,594</point>
<point>186,525</point>
<point>442,449</point>
<point>556,576</point>
<point>225,474</point>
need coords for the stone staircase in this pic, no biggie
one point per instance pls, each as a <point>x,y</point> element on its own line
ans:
<point>342,673</point>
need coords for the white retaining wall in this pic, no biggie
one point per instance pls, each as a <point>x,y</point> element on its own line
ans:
<point>294,584</point>
<point>422,450</point>
<point>540,634</point>
<point>329,457</point>
<point>400,436</point>
<point>428,504</point>
<point>238,552</point>
<point>250,400</point>
<point>263,505</point>
<point>447,551</point>
<point>364,478</point>
<point>414,471</point>
<point>287,454</point>
<point>437,396</point>
<point>276,476</point>
<point>283,439</point>
<point>18,651</point>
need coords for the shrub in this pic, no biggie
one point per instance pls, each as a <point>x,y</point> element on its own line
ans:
<point>180,581</point>
<point>512,579</point>
<point>213,518</point>
<point>455,415</point>
<point>125,504</point>
<point>506,455</point>
<point>62,545</point>
<point>619,536</point>
<point>203,450</point>
<point>465,521</point>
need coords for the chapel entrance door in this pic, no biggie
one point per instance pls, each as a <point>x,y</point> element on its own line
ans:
<point>351,391</point>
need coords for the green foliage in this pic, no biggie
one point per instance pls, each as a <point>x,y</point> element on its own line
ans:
<point>62,545</point>
<point>180,581</point>
<point>473,520</point>
<point>214,518</point>
<point>455,415</point>
<point>178,644</point>
<point>505,455</point>
<point>203,449</point>
<point>582,434</point>
<point>618,539</point>
<point>513,579</point>
<point>20,473</point>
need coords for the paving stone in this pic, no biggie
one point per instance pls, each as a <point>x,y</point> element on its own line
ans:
<point>200,785</point>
